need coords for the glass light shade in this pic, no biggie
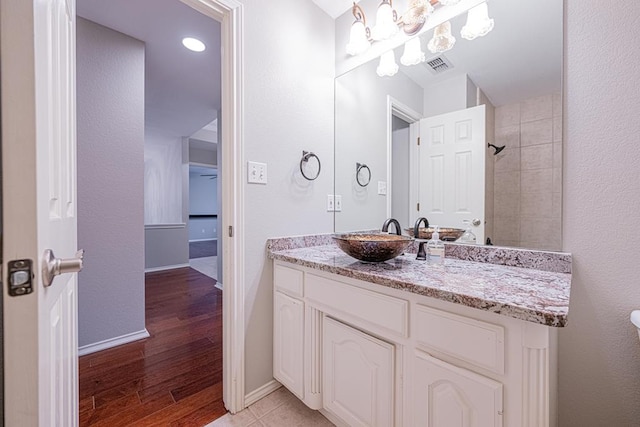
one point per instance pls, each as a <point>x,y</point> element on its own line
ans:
<point>416,15</point>
<point>449,2</point>
<point>387,66</point>
<point>385,27</point>
<point>413,54</point>
<point>358,42</point>
<point>192,44</point>
<point>478,22</point>
<point>442,39</point>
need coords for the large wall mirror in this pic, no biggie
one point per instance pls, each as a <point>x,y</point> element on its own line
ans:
<point>488,117</point>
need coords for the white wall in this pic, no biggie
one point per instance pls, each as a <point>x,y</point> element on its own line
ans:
<point>162,177</point>
<point>599,349</point>
<point>456,93</point>
<point>288,108</point>
<point>361,137</point>
<point>110,90</point>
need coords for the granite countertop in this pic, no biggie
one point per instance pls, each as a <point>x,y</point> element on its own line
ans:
<point>537,292</point>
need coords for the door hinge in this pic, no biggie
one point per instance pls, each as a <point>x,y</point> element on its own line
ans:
<point>231,231</point>
<point>418,140</point>
<point>418,206</point>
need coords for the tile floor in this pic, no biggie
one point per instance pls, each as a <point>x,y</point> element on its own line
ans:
<point>278,409</point>
<point>207,266</point>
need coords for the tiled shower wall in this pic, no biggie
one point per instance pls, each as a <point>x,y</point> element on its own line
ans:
<point>528,174</point>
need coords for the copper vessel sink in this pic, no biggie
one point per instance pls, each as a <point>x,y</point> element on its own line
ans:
<point>372,247</point>
<point>446,234</point>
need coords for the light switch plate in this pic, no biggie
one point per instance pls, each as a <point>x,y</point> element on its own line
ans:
<point>338,204</point>
<point>331,207</point>
<point>256,173</point>
<point>382,188</point>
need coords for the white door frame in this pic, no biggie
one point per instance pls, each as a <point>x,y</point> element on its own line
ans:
<point>409,115</point>
<point>230,14</point>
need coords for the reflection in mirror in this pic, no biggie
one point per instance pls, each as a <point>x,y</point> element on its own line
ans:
<point>424,133</point>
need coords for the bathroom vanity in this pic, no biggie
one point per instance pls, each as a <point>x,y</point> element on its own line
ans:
<point>471,342</point>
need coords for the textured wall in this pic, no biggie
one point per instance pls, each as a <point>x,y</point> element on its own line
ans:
<point>449,95</point>
<point>288,108</point>
<point>162,177</point>
<point>599,350</point>
<point>110,90</point>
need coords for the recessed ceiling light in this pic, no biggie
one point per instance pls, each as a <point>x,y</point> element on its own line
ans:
<point>193,44</point>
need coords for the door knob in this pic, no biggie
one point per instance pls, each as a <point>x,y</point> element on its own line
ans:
<point>52,266</point>
<point>476,222</point>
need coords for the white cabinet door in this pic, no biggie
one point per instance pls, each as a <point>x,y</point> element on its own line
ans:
<point>448,396</point>
<point>288,342</point>
<point>358,376</point>
<point>452,168</point>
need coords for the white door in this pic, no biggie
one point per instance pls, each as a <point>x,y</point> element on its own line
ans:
<point>451,170</point>
<point>448,396</point>
<point>288,342</point>
<point>358,372</point>
<point>39,210</point>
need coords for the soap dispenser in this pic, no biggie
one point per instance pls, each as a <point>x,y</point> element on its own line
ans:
<point>435,247</point>
<point>468,237</point>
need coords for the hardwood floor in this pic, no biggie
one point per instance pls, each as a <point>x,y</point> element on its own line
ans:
<point>173,378</point>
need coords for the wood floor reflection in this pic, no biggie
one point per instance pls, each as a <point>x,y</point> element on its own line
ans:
<point>172,378</point>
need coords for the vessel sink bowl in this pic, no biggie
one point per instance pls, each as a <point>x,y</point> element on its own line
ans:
<point>446,234</point>
<point>372,247</point>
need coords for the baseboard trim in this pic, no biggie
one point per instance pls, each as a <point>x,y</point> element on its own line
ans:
<point>261,392</point>
<point>335,420</point>
<point>219,286</point>
<point>165,267</point>
<point>113,342</point>
<point>203,240</point>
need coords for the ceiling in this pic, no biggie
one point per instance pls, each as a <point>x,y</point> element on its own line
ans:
<point>335,8</point>
<point>182,88</point>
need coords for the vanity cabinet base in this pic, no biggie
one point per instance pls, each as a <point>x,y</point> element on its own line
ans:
<point>411,360</point>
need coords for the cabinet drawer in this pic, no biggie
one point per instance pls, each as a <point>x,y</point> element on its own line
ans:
<point>473,341</point>
<point>288,280</point>
<point>377,309</point>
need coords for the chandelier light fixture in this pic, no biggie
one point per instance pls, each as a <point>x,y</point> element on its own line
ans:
<point>360,33</point>
<point>478,22</point>
<point>416,15</point>
<point>386,26</point>
<point>412,22</point>
<point>413,53</point>
<point>387,66</point>
<point>442,39</point>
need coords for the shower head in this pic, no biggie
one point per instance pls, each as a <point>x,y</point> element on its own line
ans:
<point>498,149</point>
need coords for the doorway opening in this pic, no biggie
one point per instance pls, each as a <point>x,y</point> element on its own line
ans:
<point>169,128</point>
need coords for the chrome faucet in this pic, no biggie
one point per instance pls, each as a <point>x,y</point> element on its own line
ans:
<point>389,221</point>
<point>422,255</point>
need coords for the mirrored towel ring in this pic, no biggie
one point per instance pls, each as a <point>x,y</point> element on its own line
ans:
<point>360,168</point>
<point>306,155</point>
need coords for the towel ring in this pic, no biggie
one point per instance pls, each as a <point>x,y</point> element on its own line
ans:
<point>360,167</point>
<point>306,155</point>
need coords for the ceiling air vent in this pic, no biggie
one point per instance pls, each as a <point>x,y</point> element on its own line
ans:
<point>438,65</point>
